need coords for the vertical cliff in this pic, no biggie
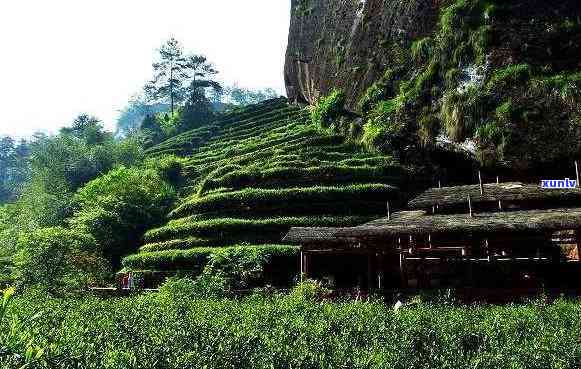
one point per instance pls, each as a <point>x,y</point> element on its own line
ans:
<point>498,79</point>
<point>348,44</point>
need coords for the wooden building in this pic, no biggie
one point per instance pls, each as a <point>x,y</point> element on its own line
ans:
<point>508,235</point>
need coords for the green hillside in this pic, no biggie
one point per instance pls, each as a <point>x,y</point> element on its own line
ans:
<point>254,173</point>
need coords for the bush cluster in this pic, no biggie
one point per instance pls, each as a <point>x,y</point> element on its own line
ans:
<point>328,109</point>
<point>172,330</point>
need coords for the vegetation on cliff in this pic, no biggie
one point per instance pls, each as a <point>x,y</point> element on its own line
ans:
<point>467,84</point>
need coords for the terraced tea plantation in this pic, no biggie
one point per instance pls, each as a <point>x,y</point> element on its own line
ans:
<point>256,172</point>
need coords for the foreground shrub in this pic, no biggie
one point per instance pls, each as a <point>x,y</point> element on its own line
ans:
<point>118,207</point>
<point>308,291</point>
<point>184,289</point>
<point>152,332</point>
<point>244,267</point>
<point>58,259</point>
<point>241,267</point>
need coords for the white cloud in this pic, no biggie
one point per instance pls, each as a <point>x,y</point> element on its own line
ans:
<point>59,58</point>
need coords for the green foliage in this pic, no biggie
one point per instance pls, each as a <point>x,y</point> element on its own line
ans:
<point>381,90</point>
<point>191,259</point>
<point>383,131</point>
<point>251,198</point>
<point>308,291</point>
<point>175,331</point>
<point>328,109</point>
<point>89,129</point>
<point>169,168</point>
<point>462,112</point>
<point>428,129</point>
<point>509,77</point>
<point>240,267</point>
<point>14,167</point>
<point>178,244</point>
<point>304,8</point>
<point>244,97</point>
<point>270,229</point>
<point>244,267</point>
<point>57,259</point>
<point>182,290</point>
<point>422,50</point>
<point>353,171</point>
<point>151,130</point>
<point>119,206</point>
<point>254,172</point>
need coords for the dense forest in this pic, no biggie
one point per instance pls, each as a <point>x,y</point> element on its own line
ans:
<point>75,202</point>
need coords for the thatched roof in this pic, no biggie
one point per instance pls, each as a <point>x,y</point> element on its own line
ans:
<point>414,223</point>
<point>309,234</point>
<point>509,191</point>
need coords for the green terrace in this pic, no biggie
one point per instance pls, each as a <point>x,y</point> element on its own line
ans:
<point>254,173</point>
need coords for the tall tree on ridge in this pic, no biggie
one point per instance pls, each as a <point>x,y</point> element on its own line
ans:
<point>198,109</point>
<point>200,77</point>
<point>170,75</point>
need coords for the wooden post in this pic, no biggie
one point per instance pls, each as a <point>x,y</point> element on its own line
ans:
<point>388,212</point>
<point>304,265</point>
<point>439,184</point>
<point>480,183</point>
<point>402,270</point>
<point>470,206</point>
<point>379,258</point>
<point>369,272</point>
<point>497,180</point>
<point>578,239</point>
<point>487,249</point>
<point>577,172</point>
<point>302,261</point>
<point>500,205</point>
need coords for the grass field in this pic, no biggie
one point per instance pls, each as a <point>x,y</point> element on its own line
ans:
<point>169,330</point>
<point>252,174</point>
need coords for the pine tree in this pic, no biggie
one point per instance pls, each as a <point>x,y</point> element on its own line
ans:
<point>170,75</point>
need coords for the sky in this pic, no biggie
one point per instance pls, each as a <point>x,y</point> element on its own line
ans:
<point>60,58</point>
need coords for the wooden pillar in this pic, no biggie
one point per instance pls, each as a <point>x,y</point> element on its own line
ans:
<point>578,239</point>
<point>470,205</point>
<point>480,183</point>
<point>402,270</point>
<point>304,265</point>
<point>577,173</point>
<point>487,250</point>
<point>370,273</point>
<point>380,271</point>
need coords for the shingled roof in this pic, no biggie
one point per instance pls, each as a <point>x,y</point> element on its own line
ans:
<point>408,223</point>
<point>509,191</point>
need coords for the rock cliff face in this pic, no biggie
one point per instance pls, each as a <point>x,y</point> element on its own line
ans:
<point>348,44</point>
<point>500,78</point>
